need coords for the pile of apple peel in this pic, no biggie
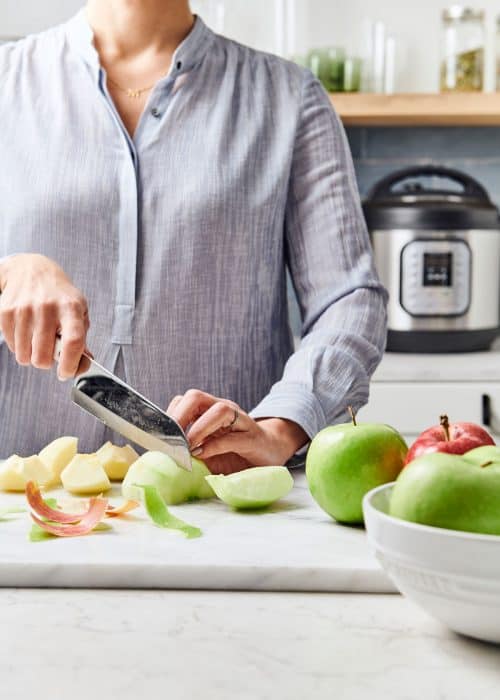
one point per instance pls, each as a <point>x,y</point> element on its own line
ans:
<point>62,524</point>
<point>49,520</point>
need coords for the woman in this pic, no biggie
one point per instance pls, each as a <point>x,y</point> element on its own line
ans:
<point>161,178</point>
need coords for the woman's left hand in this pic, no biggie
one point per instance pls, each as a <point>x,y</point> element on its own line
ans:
<point>228,439</point>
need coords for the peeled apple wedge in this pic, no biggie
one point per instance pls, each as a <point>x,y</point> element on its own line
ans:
<point>57,455</point>
<point>175,485</point>
<point>85,475</point>
<point>17,471</point>
<point>252,488</point>
<point>116,460</point>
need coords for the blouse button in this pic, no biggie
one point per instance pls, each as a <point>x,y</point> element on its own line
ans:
<point>155,112</point>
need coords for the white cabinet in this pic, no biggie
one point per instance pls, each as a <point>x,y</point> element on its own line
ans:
<point>410,392</point>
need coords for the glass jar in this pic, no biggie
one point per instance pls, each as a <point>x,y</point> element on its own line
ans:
<point>462,66</point>
<point>328,66</point>
<point>353,68</point>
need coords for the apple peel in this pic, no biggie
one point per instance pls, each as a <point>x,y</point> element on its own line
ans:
<point>38,535</point>
<point>162,517</point>
<point>87,522</point>
<point>43,509</point>
<point>5,512</point>
<point>116,511</point>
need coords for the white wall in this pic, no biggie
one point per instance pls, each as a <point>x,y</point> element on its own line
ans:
<point>18,17</point>
<point>321,22</point>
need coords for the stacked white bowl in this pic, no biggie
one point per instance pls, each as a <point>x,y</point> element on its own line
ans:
<point>454,576</point>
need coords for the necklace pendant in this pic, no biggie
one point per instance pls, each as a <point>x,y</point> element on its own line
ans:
<point>134,94</point>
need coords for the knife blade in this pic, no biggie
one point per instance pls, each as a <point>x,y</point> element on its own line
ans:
<point>116,404</point>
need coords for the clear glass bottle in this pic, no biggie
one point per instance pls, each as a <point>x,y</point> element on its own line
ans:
<point>498,54</point>
<point>462,66</point>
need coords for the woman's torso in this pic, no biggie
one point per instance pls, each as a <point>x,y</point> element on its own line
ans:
<point>176,240</point>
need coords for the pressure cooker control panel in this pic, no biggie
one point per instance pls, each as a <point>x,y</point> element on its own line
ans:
<point>435,277</point>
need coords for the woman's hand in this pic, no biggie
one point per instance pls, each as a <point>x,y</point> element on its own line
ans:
<point>37,302</point>
<point>228,439</point>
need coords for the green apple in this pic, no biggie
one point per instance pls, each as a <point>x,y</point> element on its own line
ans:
<point>252,488</point>
<point>346,461</point>
<point>174,484</point>
<point>483,455</point>
<point>450,491</point>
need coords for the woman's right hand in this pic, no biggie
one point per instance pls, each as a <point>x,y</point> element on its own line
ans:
<point>37,302</point>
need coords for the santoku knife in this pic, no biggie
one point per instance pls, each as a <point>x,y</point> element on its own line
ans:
<point>121,408</point>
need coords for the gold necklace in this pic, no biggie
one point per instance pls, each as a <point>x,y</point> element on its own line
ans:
<point>130,92</point>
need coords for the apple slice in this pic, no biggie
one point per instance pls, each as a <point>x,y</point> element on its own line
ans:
<point>252,488</point>
<point>17,471</point>
<point>85,475</point>
<point>116,460</point>
<point>57,455</point>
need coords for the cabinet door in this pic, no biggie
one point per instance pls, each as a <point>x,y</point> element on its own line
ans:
<point>412,407</point>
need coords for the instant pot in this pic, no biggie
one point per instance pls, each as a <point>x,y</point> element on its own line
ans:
<point>437,251</point>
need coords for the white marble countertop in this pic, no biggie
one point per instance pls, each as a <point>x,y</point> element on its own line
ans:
<point>121,645</point>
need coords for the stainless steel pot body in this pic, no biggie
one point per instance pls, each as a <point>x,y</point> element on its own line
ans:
<point>440,282</point>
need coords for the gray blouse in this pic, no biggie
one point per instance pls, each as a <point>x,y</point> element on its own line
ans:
<point>180,237</point>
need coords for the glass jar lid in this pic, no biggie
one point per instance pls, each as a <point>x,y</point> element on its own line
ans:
<point>465,14</point>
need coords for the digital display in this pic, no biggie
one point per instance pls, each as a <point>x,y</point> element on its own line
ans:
<point>438,269</point>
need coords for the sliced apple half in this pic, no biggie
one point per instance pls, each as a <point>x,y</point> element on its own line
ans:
<point>57,455</point>
<point>85,475</point>
<point>175,485</point>
<point>116,461</point>
<point>17,471</point>
<point>252,488</point>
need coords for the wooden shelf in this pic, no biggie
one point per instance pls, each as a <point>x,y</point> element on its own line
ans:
<point>453,109</point>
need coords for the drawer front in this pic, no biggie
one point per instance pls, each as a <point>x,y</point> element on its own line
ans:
<point>411,407</point>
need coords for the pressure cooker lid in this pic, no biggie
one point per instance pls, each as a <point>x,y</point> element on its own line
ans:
<point>413,199</point>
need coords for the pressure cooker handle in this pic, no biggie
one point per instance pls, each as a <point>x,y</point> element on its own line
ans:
<point>471,188</point>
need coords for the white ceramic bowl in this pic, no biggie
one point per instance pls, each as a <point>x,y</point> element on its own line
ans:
<point>454,576</point>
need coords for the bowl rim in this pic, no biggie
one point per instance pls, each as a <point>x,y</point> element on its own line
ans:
<point>418,527</point>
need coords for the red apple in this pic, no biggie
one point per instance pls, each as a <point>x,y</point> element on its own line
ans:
<point>454,438</point>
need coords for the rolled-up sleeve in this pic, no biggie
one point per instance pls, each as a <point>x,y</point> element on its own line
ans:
<point>329,256</point>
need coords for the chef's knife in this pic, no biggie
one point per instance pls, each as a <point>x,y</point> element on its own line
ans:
<point>121,408</point>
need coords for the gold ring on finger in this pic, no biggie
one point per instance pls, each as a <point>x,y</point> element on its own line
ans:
<point>236,416</point>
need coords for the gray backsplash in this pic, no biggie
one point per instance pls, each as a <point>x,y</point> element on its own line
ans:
<point>380,151</point>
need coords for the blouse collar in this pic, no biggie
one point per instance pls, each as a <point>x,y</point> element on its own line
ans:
<point>187,56</point>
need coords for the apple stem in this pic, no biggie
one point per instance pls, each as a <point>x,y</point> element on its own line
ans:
<point>487,464</point>
<point>445,424</point>
<point>352,414</point>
